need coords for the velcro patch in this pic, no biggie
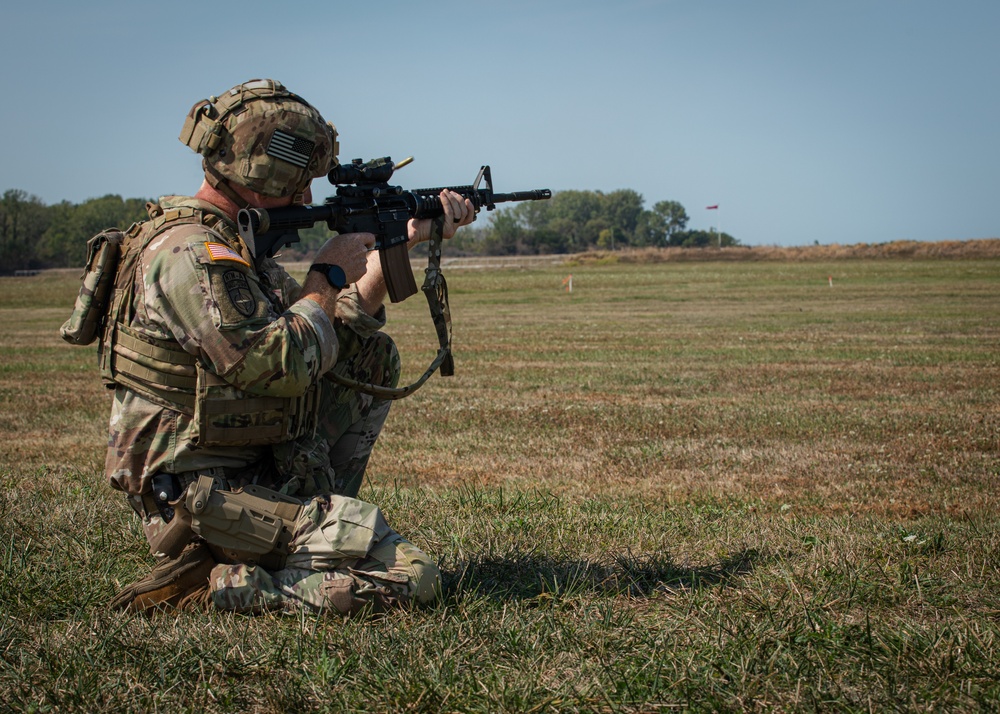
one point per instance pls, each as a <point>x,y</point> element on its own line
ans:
<point>293,149</point>
<point>218,251</point>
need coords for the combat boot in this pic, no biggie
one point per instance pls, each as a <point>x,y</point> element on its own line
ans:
<point>171,581</point>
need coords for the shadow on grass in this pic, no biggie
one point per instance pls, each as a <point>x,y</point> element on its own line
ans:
<point>525,576</point>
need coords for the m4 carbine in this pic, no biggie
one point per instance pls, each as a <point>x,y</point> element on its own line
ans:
<point>366,203</point>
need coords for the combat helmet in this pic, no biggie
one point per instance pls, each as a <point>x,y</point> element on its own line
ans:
<point>261,136</point>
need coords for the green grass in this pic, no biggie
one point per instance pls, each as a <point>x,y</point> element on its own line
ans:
<point>696,486</point>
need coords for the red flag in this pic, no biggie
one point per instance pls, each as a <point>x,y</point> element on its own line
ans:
<point>712,208</point>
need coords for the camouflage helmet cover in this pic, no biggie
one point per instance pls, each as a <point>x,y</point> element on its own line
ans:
<point>261,136</point>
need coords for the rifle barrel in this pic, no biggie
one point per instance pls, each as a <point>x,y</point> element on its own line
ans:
<point>537,195</point>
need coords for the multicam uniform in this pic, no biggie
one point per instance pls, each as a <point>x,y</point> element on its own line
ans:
<point>219,372</point>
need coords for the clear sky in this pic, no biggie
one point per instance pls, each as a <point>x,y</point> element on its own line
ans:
<point>838,122</point>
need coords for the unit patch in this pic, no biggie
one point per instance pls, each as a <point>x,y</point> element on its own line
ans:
<point>238,288</point>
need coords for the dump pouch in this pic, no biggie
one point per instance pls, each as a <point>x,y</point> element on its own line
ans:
<point>103,252</point>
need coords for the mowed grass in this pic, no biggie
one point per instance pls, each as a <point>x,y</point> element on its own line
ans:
<point>697,486</point>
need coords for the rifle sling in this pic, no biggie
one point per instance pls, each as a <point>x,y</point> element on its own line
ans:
<point>435,289</point>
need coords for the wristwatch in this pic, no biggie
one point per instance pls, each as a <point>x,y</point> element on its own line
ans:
<point>334,274</point>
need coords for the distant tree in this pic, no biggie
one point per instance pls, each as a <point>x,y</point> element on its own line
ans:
<point>621,209</point>
<point>312,238</point>
<point>468,241</point>
<point>532,215</point>
<point>606,239</point>
<point>60,244</point>
<point>578,216</point>
<point>505,234</point>
<point>546,241</point>
<point>658,227</point>
<point>71,226</point>
<point>579,220</point>
<point>23,220</point>
<point>703,239</point>
<point>576,206</point>
<point>95,214</point>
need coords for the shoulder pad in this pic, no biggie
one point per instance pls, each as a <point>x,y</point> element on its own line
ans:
<point>182,214</point>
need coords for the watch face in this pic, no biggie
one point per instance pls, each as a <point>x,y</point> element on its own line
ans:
<point>336,277</point>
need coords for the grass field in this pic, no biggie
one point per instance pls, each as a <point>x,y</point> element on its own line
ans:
<point>697,486</point>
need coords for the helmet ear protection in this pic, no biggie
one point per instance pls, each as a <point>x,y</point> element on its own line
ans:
<point>202,131</point>
<point>263,137</point>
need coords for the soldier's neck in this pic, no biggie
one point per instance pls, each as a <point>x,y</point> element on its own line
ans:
<point>210,194</point>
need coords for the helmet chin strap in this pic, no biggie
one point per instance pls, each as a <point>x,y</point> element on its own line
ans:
<point>221,184</point>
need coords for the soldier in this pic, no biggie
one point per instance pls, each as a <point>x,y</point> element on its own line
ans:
<point>241,458</point>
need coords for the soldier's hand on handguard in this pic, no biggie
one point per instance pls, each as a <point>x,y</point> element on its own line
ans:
<point>458,212</point>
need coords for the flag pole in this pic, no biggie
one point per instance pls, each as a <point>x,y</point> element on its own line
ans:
<point>718,228</point>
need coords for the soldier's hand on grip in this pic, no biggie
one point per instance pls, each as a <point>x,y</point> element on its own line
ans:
<point>349,251</point>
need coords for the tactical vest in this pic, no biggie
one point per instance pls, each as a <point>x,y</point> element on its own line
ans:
<point>160,370</point>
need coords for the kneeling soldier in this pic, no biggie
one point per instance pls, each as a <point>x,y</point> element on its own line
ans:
<point>255,550</point>
<point>218,360</point>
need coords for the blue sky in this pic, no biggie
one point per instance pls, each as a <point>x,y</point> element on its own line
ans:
<point>837,122</point>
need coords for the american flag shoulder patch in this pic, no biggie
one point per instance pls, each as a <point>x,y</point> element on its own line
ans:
<point>293,149</point>
<point>218,251</point>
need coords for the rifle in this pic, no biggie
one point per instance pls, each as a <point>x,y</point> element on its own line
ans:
<point>366,203</point>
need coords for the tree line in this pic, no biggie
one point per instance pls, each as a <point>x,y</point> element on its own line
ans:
<point>575,221</point>
<point>35,235</point>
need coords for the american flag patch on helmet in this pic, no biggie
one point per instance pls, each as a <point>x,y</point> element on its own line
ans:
<point>293,149</point>
<point>218,251</point>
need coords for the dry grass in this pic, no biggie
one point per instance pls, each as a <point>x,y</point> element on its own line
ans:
<point>953,249</point>
<point>757,382</point>
<point>686,485</point>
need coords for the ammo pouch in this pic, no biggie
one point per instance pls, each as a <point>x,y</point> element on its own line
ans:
<point>223,416</point>
<point>252,525</point>
<point>103,253</point>
<point>159,370</point>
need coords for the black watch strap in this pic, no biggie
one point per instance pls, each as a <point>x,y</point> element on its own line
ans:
<point>334,274</point>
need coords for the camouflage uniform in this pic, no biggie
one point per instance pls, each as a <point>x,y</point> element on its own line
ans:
<point>196,286</point>
<point>343,557</point>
